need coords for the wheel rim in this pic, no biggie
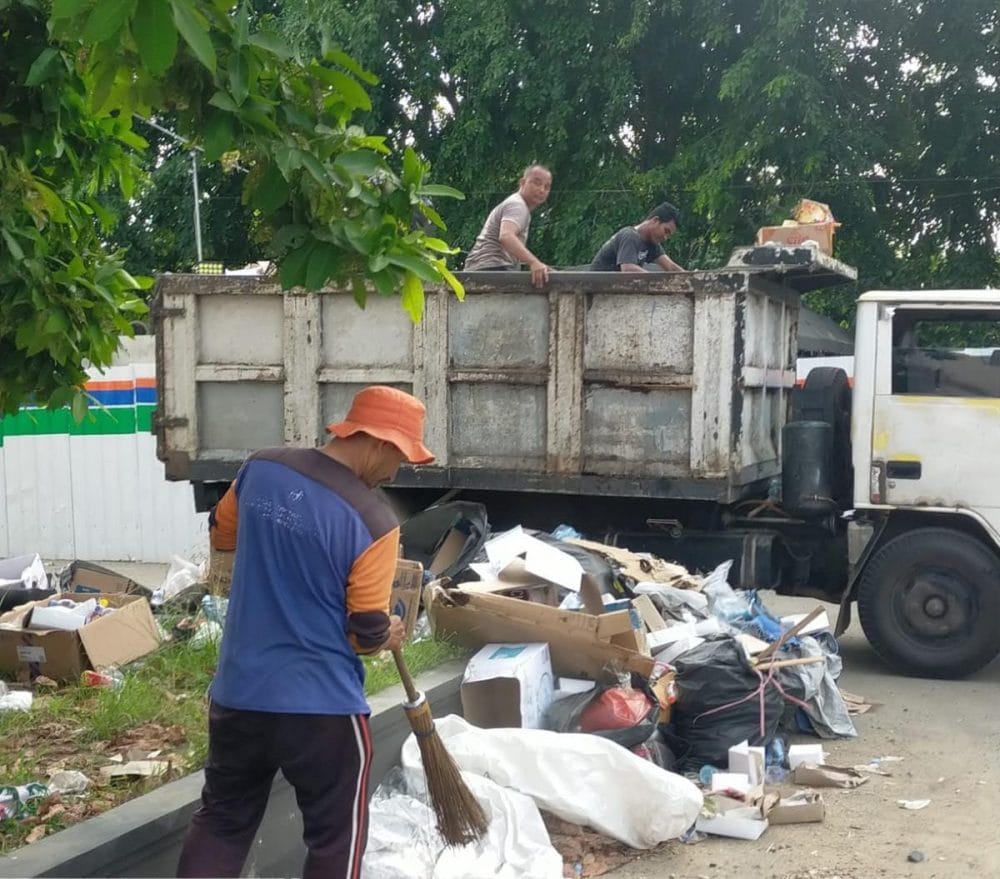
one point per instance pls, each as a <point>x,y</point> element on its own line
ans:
<point>934,606</point>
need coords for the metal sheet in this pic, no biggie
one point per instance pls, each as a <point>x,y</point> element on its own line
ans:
<point>240,329</point>
<point>39,494</point>
<point>240,415</point>
<point>629,430</point>
<point>626,331</point>
<point>381,335</point>
<point>500,424</point>
<point>500,330</point>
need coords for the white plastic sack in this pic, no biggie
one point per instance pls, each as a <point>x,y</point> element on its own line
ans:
<point>24,572</point>
<point>180,575</point>
<point>403,842</point>
<point>580,778</point>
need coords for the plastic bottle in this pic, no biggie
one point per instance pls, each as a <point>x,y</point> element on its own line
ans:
<point>775,761</point>
<point>14,798</point>
<point>109,677</point>
<point>705,774</point>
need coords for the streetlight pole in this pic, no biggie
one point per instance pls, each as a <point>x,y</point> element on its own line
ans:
<point>194,178</point>
<point>197,206</point>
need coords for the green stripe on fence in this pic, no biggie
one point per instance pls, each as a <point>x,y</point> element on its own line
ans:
<point>114,420</point>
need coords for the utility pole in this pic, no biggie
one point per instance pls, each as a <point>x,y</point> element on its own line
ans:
<point>193,150</point>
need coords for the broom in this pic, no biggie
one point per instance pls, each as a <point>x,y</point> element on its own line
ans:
<point>460,818</point>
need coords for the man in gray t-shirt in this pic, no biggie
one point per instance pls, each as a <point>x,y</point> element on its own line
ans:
<point>502,243</point>
<point>629,249</point>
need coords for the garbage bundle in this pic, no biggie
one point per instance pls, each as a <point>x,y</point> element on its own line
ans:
<point>582,642</point>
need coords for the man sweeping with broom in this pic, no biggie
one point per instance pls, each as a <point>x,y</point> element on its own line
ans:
<point>316,551</point>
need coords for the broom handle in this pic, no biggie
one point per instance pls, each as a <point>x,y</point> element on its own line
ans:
<point>412,694</point>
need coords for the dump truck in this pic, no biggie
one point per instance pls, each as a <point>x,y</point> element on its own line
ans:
<point>656,411</point>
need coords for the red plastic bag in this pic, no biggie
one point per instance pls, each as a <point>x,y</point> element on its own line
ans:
<point>616,708</point>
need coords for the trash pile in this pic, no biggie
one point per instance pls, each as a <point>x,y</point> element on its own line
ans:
<point>611,690</point>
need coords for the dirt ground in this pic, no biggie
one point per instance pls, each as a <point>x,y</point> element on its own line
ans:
<point>948,734</point>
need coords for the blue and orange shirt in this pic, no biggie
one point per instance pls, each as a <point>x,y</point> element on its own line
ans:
<point>316,552</point>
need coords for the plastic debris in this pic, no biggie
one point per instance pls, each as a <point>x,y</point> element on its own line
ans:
<point>68,781</point>
<point>913,805</point>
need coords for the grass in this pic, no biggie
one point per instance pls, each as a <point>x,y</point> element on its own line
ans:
<point>161,705</point>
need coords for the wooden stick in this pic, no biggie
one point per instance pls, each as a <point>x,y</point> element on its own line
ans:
<point>791,633</point>
<point>788,663</point>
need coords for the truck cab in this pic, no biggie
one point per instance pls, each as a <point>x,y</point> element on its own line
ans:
<point>925,531</point>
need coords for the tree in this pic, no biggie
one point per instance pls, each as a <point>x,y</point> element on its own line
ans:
<point>155,228</point>
<point>75,73</point>
<point>734,110</point>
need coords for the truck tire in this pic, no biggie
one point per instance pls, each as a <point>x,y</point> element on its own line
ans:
<point>929,603</point>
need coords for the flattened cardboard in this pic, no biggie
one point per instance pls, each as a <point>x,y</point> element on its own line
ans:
<point>802,807</point>
<point>475,618</point>
<point>541,560</point>
<point>744,822</point>
<point>828,776</point>
<point>650,615</point>
<point>115,639</point>
<point>90,579</point>
<point>508,685</point>
<point>449,550</point>
<point>407,586</point>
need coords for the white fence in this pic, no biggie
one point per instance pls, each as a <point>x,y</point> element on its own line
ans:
<point>96,490</point>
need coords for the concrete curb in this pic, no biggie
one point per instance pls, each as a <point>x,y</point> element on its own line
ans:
<point>143,837</point>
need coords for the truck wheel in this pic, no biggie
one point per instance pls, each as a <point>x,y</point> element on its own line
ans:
<point>929,603</point>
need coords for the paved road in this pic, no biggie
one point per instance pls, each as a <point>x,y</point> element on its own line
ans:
<point>948,733</point>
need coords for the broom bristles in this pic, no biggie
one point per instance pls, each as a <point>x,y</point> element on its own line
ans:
<point>460,817</point>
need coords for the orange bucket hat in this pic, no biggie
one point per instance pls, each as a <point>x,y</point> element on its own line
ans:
<point>390,415</point>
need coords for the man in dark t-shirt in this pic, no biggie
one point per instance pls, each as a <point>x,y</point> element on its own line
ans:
<point>630,248</point>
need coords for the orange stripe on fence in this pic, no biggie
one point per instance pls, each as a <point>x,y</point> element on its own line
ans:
<point>121,385</point>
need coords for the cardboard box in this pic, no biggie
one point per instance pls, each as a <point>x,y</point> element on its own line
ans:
<point>813,755</point>
<point>86,578</point>
<point>580,643</point>
<point>407,586</point>
<point>115,639</point>
<point>508,685</point>
<point>749,761</point>
<point>799,234</point>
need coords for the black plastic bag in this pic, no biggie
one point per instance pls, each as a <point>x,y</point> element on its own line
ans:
<point>564,716</point>
<point>657,752</point>
<point>713,711</point>
<point>422,534</point>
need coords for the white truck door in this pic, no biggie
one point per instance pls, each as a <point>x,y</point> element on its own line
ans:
<point>936,421</point>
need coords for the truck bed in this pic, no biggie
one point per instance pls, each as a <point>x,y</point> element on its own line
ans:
<point>655,385</point>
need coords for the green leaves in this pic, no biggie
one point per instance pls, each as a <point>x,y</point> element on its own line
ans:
<point>106,19</point>
<point>218,135</point>
<point>432,190</point>
<point>194,29</point>
<point>304,183</point>
<point>155,35</point>
<point>272,44</point>
<point>44,65</point>
<point>412,298</point>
